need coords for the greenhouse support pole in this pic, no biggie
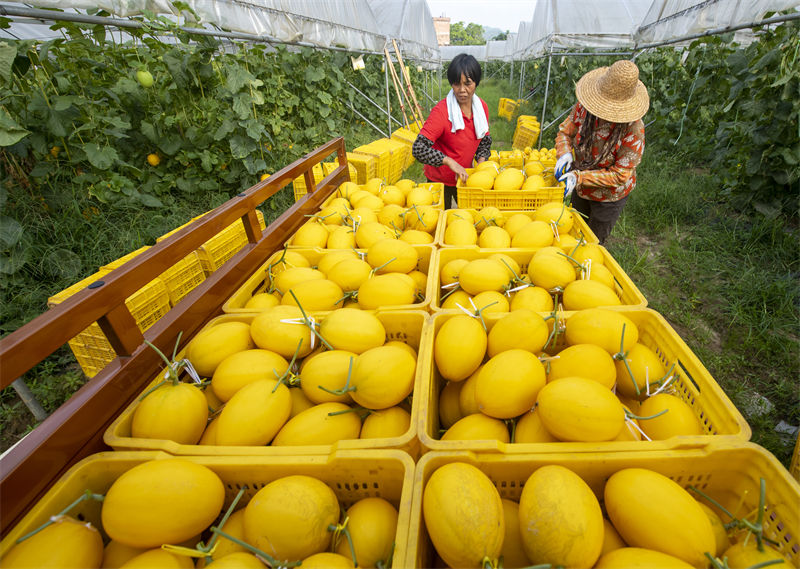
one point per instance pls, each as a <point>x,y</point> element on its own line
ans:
<point>511,73</point>
<point>546,91</point>
<point>521,81</point>
<point>388,100</point>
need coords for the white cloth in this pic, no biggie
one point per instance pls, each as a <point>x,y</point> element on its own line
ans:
<point>457,118</point>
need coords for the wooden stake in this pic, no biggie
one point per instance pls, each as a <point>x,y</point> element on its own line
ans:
<point>396,86</point>
<point>408,79</point>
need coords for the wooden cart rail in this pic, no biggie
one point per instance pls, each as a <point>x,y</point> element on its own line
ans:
<point>75,430</point>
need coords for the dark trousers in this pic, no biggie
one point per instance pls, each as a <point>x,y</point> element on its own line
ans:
<point>601,215</point>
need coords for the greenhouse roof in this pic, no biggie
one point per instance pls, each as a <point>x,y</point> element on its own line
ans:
<point>355,25</point>
<point>369,25</point>
<point>560,25</point>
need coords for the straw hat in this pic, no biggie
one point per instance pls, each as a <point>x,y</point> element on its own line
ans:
<point>614,93</point>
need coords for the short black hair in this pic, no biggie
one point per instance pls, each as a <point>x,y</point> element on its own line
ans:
<point>464,64</point>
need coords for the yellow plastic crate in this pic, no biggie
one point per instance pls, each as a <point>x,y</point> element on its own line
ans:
<point>399,155</point>
<point>351,475</point>
<point>259,281</point>
<point>183,277</point>
<point>366,166</point>
<point>728,473</point>
<point>478,198</point>
<point>794,467</point>
<point>624,288</point>
<point>407,326</point>
<point>328,167</point>
<point>91,348</point>
<point>407,137</point>
<point>224,245</point>
<point>525,135</point>
<point>179,279</point>
<point>693,383</point>
<point>299,183</point>
<point>382,156</point>
<point>579,227</point>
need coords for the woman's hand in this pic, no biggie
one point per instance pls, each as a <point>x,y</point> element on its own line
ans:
<point>459,170</point>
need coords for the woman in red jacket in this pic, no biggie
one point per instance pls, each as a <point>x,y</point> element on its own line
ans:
<point>457,130</point>
<point>601,142</point>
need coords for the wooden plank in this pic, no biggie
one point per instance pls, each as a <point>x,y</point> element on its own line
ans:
<point>76,429</point>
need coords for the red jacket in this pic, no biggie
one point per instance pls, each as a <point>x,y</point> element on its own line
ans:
<point>460,145</point>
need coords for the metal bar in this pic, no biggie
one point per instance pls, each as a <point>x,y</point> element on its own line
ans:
<point>555,120</point>
<point>388,98</point>
<point>546,93</point>
<point>521,81</point>
<point>373,125</point>
<point>380,108</point>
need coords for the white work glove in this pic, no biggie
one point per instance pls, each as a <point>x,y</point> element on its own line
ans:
<point>563,165</point>
<point>570,180</point>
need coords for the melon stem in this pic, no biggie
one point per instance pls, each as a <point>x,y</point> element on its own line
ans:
<point>308,323</point>
<point>623,357</point>
<point>288,372</point>
<point>271,560</point>
<point>378,268</point>
<point>87,495</point>
<point>210,546</point>
<point>342,529</point>
<point>631,415</point>
<point>346,387</point>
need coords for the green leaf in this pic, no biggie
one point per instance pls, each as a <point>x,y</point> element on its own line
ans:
<point>241,146</point>
<point>7,55</point>
<point>314,74</point>
<point>224,129</point>
<point>10,232</point>
<point>324,97</point>
<point>101,158</point>
<point>43,168</point>
<point>10,131</point>
<point>63,102</point>
<point>14,260</point>
<point>237,78</point>
<point>241,105</point>
<point>149,131</point>
<point>150,201</point>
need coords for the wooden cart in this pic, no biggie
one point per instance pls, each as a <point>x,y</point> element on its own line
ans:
<point>75,430</point>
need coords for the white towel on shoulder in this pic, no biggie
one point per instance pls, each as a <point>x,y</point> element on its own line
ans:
<point>457,118</point>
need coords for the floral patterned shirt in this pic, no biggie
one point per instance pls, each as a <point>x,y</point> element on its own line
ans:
<point>613,178</point>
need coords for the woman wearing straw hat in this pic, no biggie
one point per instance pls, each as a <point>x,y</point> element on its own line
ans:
<point>457,129</point>
<point>601,142</point>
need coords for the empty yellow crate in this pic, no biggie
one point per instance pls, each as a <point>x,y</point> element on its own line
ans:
<point>579,226</point>
<point>259,281</point>
<point>328,167</point>
<point>224,245</point>
<point>183,277</point>
<point>352,476</point>
<point>525,135</point>
<point>718,417</point>
<point>407,137</point>
<point>382,156</point>
<point>408,326</point>
<point>728,473</point>
<point>299,183</point>
<point>91,348</point>
<point>366,166</point>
